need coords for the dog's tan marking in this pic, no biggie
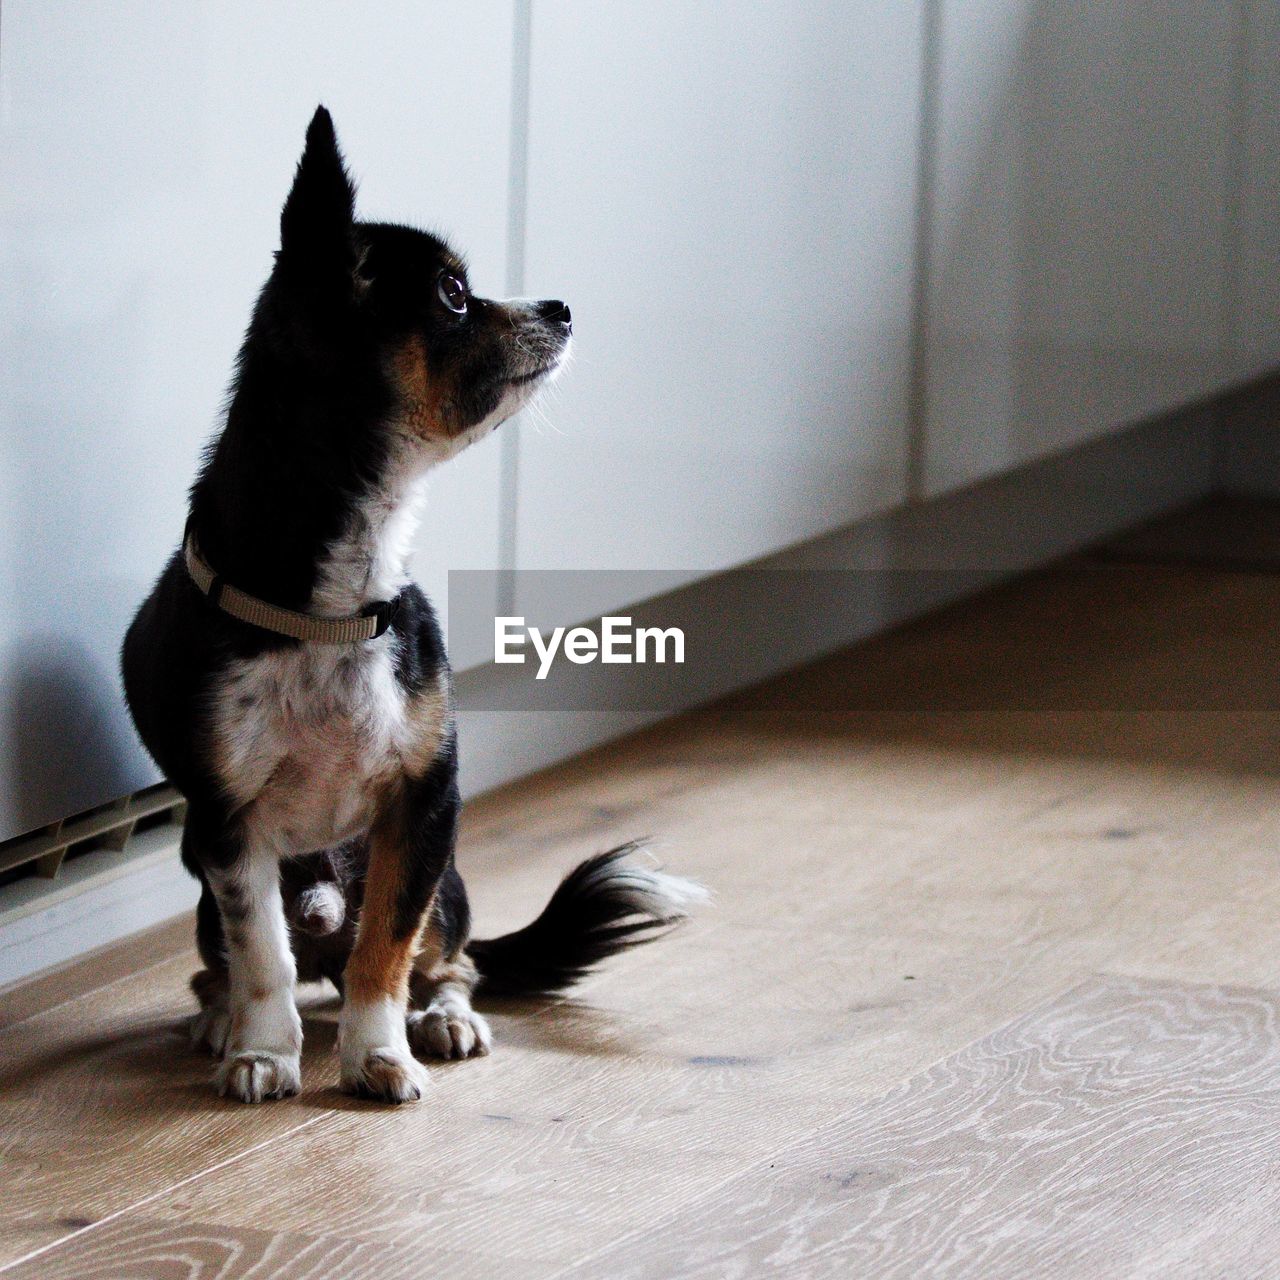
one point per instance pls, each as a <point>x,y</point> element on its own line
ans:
<point>428,722</point>
<point>429,975</point>
<point>422,409</point>
<point>432,965</point>
<point>380,962</point>
<point>376,1058</point>
<point>430,951</point>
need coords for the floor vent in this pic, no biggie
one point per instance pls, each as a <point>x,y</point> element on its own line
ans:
<point>41,853</point>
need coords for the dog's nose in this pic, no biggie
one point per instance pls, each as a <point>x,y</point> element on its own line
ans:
<point>557,311</point>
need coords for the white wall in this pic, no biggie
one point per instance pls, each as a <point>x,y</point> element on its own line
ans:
<point>728,196</point>
<point>1256,305</point>
<point>145,150</point>
<point>1080,224</point>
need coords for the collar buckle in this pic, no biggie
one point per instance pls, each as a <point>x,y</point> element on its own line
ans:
<point>384,613</point>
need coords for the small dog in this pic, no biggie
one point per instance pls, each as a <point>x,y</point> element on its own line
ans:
<point>291,681</point>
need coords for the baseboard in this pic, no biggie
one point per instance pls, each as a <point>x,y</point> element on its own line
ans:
<point>97,899</point>
<point>841,588</point>
<point>1248,457</point>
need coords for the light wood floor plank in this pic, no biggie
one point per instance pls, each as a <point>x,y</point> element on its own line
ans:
<point>139,1249</point>
<point>103,1103</point>
<point>1077,1141</point>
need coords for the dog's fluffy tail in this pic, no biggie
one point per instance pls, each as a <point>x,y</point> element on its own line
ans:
<point>605,905</point>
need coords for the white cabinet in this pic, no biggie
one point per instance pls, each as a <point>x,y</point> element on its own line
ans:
<point>725,195</point>
<point>1079,220</point>
<point>145,150</point>
<point>1257,305</point>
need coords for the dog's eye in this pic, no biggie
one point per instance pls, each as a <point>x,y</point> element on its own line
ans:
<point>453,293</point>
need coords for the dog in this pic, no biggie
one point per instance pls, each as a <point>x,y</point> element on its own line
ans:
<point>291,681</point>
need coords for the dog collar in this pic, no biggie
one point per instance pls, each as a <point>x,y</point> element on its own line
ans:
<point>368,624</point>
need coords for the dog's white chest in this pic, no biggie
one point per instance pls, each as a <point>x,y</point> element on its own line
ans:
<point>307,741</point>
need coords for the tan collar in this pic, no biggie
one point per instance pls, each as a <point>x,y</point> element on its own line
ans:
<point>366,625</point>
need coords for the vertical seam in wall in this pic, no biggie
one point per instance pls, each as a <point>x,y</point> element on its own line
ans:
<point>1235,176</point>
<point>926,176</point>
<point>517,204</point>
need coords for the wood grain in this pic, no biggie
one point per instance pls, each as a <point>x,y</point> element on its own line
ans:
<point>138,1249</point>
<point>103,1103</point>
<point>910,844</point>
<point>1076,1141</point>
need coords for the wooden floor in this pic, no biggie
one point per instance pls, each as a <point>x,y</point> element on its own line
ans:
<point>991,988</point>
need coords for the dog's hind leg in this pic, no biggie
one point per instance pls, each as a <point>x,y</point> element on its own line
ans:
<point>442,1023</point>
<point>261,1057</point>
<point>211,985</point>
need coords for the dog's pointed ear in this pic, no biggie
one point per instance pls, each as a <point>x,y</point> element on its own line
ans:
<point>317,225</point>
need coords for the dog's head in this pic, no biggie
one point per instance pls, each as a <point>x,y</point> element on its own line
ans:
<point>398,300</point>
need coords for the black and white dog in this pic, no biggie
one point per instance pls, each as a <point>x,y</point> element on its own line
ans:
<point>292,682</point>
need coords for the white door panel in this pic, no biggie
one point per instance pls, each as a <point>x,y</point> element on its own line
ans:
<point>145,150</point>
<point>1257,327</point>
<point>1077,247</point>
<point>724,195</point>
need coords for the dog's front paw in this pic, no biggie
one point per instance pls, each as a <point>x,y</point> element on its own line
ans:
<point>252,1075</point>
<point>449,1029</point>
<point>385,1075</point>
<point>210,1029</point>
